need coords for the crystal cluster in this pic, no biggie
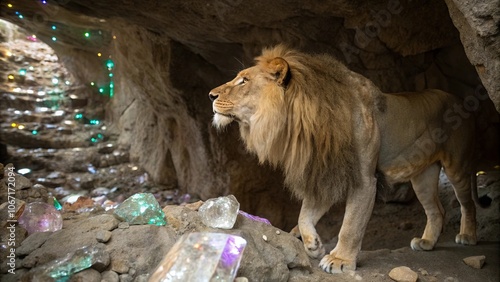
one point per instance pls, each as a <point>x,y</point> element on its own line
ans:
<point>141,208</point>
<point>40,217</point>
<point>202,257</point>
<point>220,212</point>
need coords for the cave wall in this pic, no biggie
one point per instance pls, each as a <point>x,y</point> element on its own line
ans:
<point>169,54</point>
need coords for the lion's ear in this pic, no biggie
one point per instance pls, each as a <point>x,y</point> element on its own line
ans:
<point>280,70</point>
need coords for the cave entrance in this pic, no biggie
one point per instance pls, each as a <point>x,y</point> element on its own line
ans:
<point>54,130</point>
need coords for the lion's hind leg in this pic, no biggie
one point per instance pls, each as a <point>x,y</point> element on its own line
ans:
<point>426,188</point>
<point>462,185</point>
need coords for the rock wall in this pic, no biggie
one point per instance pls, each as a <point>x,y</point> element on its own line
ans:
<point>169,54</point>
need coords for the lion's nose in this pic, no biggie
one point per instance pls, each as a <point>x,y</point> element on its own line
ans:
<point>213,96</point>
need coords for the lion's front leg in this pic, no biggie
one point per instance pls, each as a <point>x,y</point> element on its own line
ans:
<point>310,213</point>
<point>358,211</point>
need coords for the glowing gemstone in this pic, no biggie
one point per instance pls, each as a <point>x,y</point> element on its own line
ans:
<point>57,205</point>
<point>61,269</point>
<point>219,254</point>
<point>141,208</point>
<point>40,217</point>
<point>220,212</point>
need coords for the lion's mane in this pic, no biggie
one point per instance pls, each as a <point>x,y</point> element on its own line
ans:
<point>307,127</point>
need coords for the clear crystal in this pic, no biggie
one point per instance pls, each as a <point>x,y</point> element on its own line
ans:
<point>141,208</point>
<point>218,254</point>
<point>40,217</point>
<point>220,212</point>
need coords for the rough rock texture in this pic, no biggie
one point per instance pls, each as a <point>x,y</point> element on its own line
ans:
<point>169,54</point>
<point>479,26</point>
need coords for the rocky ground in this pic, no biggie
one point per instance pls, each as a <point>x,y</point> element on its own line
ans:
<point>67,157</point>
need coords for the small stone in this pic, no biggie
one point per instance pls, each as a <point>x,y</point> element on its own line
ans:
<point>475,261</point>
<point>241,279</point>
<point>87,275</point>
<point>423,271</point>
<point>103,236</point>
<point>119,266</point>
<point>132,271</point>
<point>110,276</point>
<point>40,217</point>
<point>126,278</point>
<point>142,278</point>
<point>403,274</point>
<point>141,208</point>
<point>278,232</point>
<point>264,237</point>
<point>220,212</point>
<point>123,225</point>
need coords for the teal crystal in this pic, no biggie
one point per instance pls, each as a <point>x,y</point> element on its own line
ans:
<point>141,208</point>
<point>60,270</point>
<point>57,205</point>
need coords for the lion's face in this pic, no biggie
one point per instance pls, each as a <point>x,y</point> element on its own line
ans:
<point>248,93</point>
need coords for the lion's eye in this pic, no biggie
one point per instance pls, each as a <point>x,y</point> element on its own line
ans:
<point>242,81</point>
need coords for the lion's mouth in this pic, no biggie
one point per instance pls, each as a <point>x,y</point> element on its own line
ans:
<point>221,120</point>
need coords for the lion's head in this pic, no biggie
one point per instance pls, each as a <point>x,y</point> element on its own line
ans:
<point>253,91</point>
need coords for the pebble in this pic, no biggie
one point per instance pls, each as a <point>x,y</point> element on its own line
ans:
<point>264,237</point>
<point>475,261</point>
<point>123,225</point>
<point>278,232</point>
<point>403,274</point>
<point>241,279</point>
<point>109,276</point>
<point>103,236</point>
<point>86,275</point>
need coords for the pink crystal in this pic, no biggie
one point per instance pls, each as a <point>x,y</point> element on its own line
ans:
<point>40,217</point>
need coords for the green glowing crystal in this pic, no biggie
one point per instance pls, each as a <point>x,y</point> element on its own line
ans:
<point>57,205</point>
<point>141,208</point>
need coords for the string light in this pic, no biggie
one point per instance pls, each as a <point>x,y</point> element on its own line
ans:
<point>54,38</point>
<point>13,124</point>
<point>54,27</point>
<point>21,126</point>
<point>10,77</point>
<point>9,5</point>
<point>79,116</point>
<point>34,132</point>
<point>87,34</point>
<point>99,54</point>
<point>22,72</point>
<point>55,81</point>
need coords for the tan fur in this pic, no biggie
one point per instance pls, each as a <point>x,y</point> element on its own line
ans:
<point>326,126</point>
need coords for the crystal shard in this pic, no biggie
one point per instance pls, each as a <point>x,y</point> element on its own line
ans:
<point>141,208</point>
<point>61,269</point>
<point>220,212</point>
<point>254,217</point>
<point>40,217</point>
<point>202,257</point>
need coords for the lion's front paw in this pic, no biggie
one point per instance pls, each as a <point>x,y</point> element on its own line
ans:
<point>418,244</point>
<point>314,247</point>
<point>465,239</point>
<point>331,264</point>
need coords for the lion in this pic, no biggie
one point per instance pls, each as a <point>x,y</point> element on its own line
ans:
<point>332,131</point>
